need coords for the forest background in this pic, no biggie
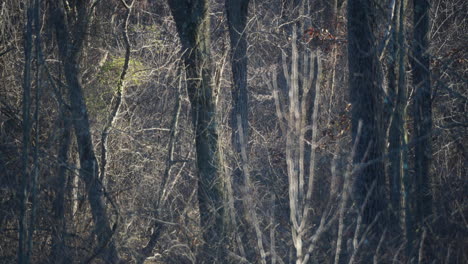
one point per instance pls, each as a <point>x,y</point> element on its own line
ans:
<point>236,131</point>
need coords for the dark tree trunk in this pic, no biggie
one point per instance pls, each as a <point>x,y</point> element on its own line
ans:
<point>237,12</point>
<point>192,22</point>
<point>70,46</point>
<point>23,191</point>
<point>422,115</point>
<point>59,251</point>
<point>365,95</point>
<point>398,96</point>
<point>422,111</point>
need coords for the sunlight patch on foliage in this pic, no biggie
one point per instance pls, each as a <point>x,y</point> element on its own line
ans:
<point>100,95</point>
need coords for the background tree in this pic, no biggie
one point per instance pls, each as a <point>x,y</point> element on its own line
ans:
<point>237,15</point>
<point>192,21</point>
<point>422,109</point>
<point>70,46</point>
<point>366,102</point>
<point>422,114</point>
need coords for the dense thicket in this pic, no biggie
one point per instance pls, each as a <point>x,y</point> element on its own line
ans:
<point>237,131</point>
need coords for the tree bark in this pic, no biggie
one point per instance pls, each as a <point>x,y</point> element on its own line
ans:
<point>364,88</point>
<point>192,22</point>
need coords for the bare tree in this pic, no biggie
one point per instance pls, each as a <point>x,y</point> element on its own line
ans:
<point>294,122</point>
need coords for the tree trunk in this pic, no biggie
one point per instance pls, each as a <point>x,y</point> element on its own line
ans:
<point>422,114</point>
<point>237,12</point>
<point>397,94</point>
<point>422,109</point>
<point>59,251</point>
<point>70,46</point>
<point>192,22</point>
<point>23,192</point>
<point>364,87</point>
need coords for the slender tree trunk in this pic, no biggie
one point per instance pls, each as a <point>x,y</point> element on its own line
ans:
<point>422,115</point>
<point>23,192</point>
<point>59,253</point>
<point>117,99</point>
<point>422,111</point>
<point>70,46</point>
<point>397,93</point>
<point>365,95</point>
<point>35,175</point>
<point>192,22</point>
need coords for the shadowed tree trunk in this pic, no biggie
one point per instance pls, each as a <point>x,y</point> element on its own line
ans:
<point>365,91</point>
<point>59,251</point>
<point>23,191</point>
<point>192,22</point>
<point>422,109</point>
<point>237,12</point>
<point>397,93</point>
<point>70,39</point>
<point>422,115</point>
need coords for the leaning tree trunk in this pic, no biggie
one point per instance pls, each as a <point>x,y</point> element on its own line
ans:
<point>192,22</point>
<point>70,46</point>
<point>365,95</point>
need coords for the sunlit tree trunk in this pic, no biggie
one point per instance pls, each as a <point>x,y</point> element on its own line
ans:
<point>192,22</point>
